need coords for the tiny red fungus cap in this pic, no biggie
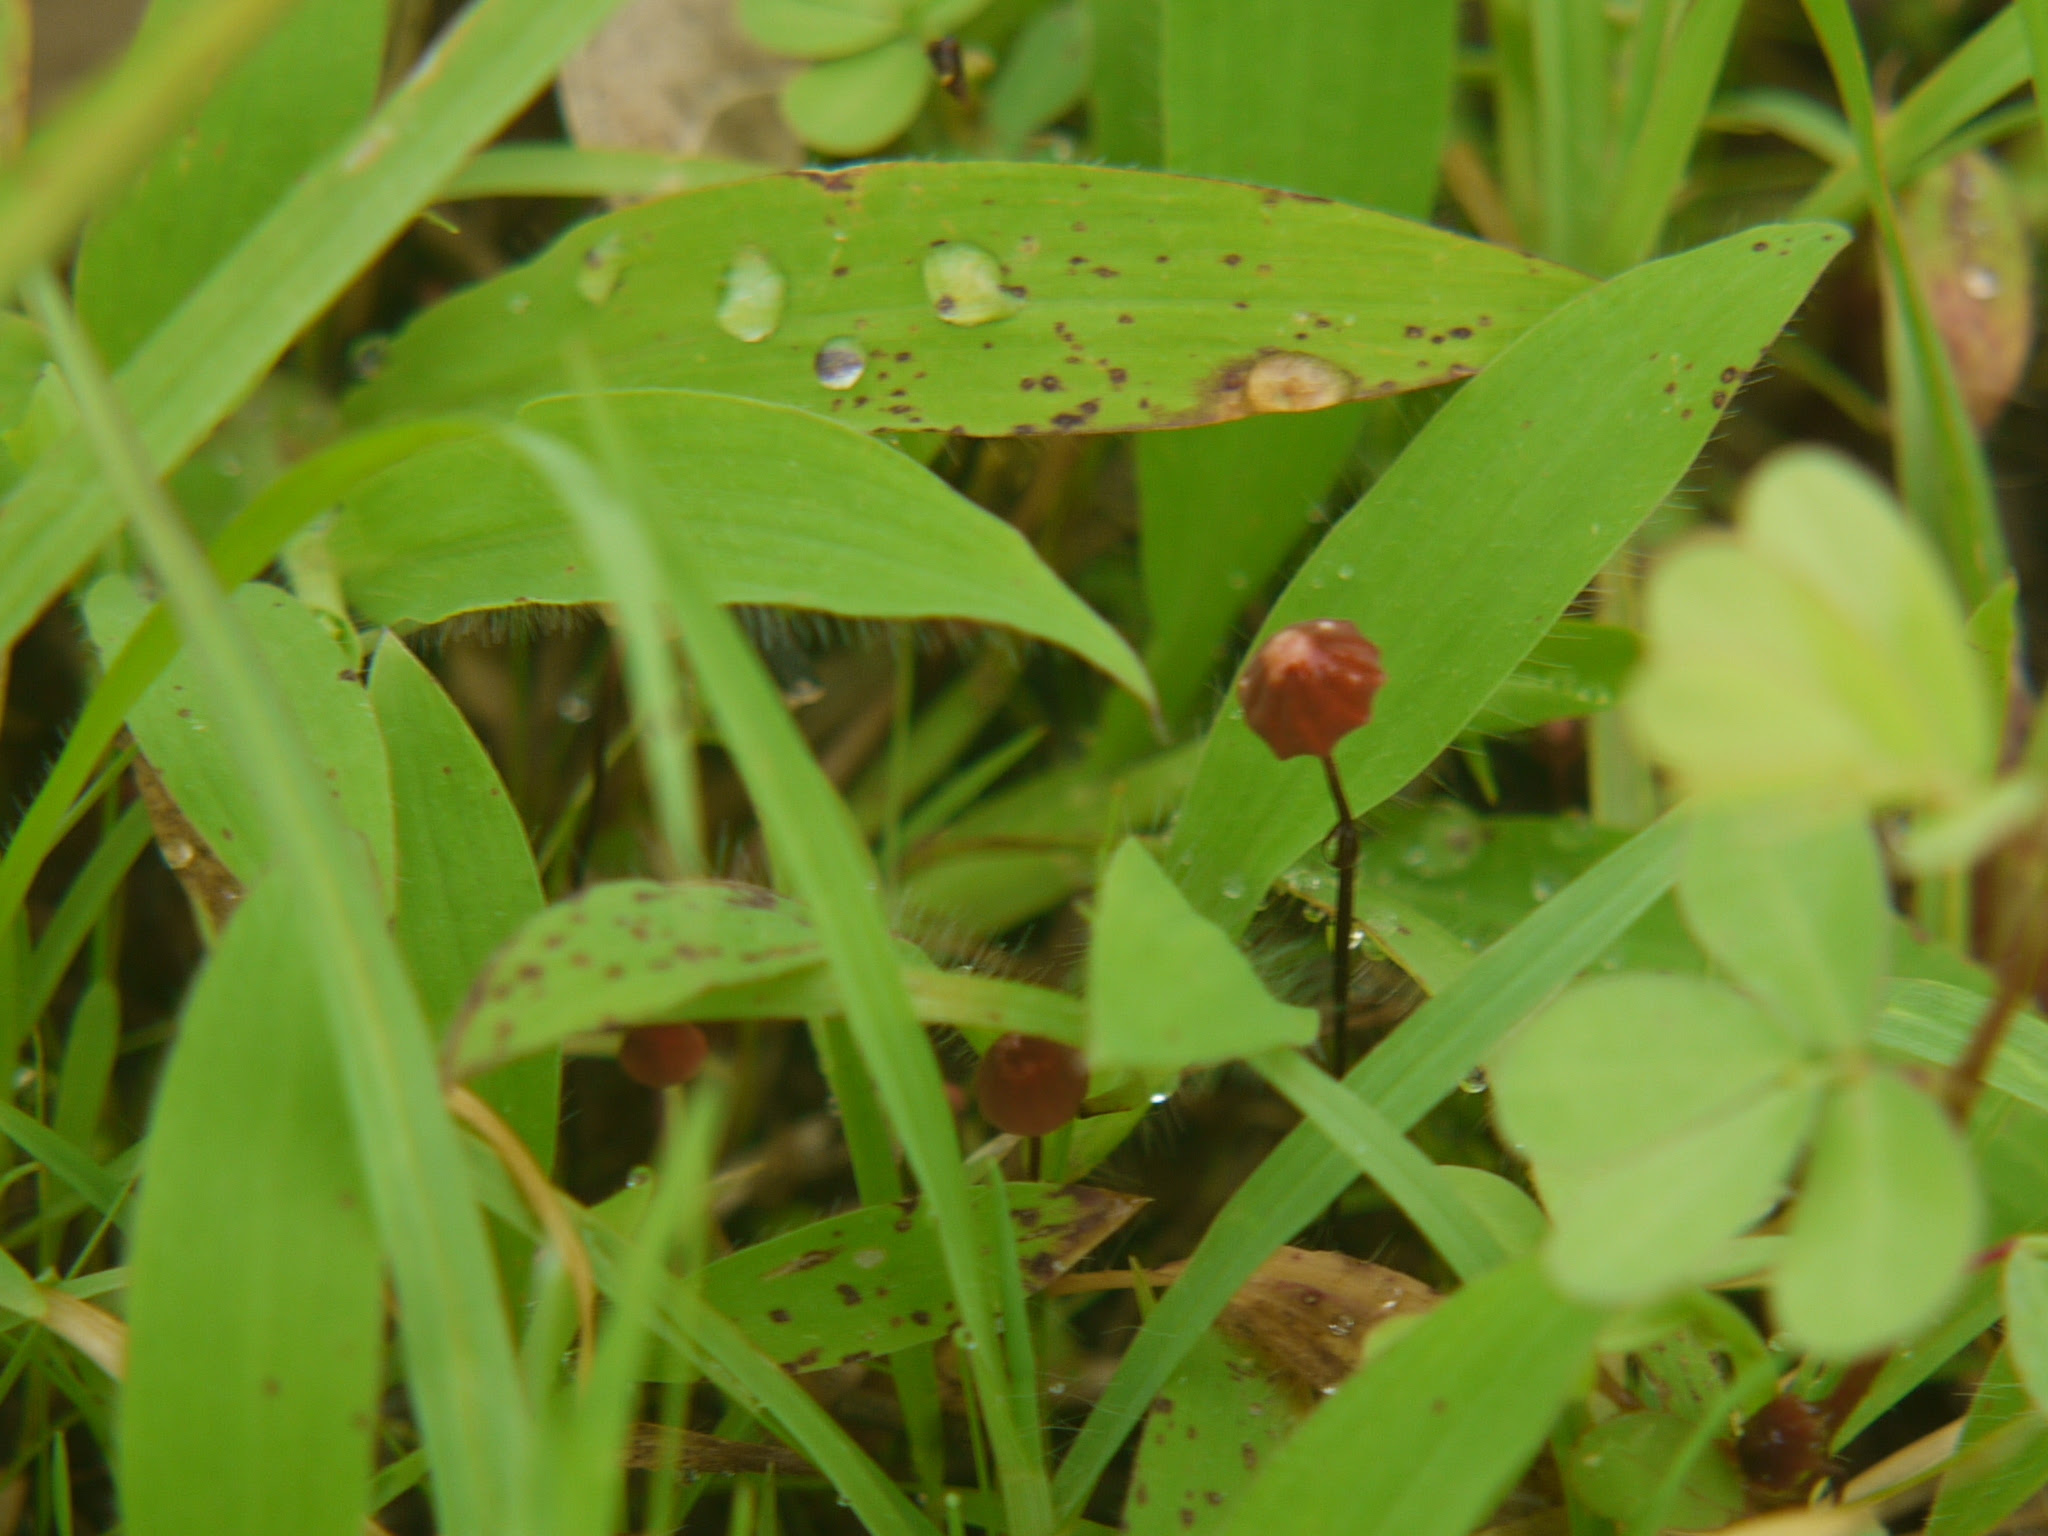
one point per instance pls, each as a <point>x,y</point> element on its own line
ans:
<point>1028,1086</point>
<point>664,1055</point>
<point>1310,686</point>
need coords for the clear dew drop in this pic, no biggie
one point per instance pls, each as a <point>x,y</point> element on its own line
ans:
<point>1473,1081</point>
<point>1542,888</point>
<point>965,284</point>
<point>519,303</point>
<point>1980,283</point>
<point>573,707</point>
<point>1233,888</point>
<point>750,303</point>
<point>1161,1098</point>
<point>1346,572</point>
<point>178,853</point>
<point>639,1177</point>
<point>839,363</point>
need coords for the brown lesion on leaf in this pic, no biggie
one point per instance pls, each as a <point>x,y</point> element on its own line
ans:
<point>657,1447</point>
<point>210,885</point>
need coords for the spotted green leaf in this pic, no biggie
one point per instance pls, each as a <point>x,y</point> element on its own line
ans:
<point>1217,1420</point>
<point>869,1282</point>
<point>1888,1215</point>
<point>1166,987</point>
<point>1662,1115</point>
<point>1131,319</point>
<point>775,506</point>
<point>624,952</point>
<point>1796,909</point>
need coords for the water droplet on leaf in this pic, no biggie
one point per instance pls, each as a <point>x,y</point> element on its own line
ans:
<point>750,304</point>
<point>965,285</point>
<point>840,363</point>
<point>599,275</point>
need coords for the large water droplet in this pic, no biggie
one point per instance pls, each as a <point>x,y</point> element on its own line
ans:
<point>750,304</point>
<point>965,285</point>
<point>840,363</point>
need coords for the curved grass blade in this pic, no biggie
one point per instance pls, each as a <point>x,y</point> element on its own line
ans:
<point>460,1357</point>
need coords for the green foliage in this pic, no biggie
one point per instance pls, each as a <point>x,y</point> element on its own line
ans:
<point>1716,891</point>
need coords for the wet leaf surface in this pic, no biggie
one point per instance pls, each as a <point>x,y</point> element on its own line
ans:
<point>1144,300</point>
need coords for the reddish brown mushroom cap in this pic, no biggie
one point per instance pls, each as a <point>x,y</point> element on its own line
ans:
<point>1028,1086</point>
<point>1310,686</point>
<point>663,1055</point>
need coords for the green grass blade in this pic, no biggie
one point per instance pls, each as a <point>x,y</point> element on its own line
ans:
<point>62,1159</point>
<point>467,877</point>
<point>2034,14</point>
<point>629,569</point>
<point>284,106</point>
<point>256,1292</point>
<point>1124,116</point>
<point>1655,156</point>
<point>1944,476</point>
<point>1568,46</point>
<point>1380,1152</point>
<point>85,901</point>
<point>459,1355</point>
<point>819,856</point>
<point>1415,1067</point>
<point>244,547</point>
<point>1990,66</point>
<point>104,135</point>
<point>1452,1414</point>
<point>290,268</point>
<point>1465,553</point>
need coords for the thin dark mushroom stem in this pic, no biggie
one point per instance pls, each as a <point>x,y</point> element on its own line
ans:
<point>1346,865</point>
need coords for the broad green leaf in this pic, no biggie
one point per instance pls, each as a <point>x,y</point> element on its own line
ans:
<point>1889,1213</point>
<point>1662,1115</point>
<point>1618,1465</point>
<point>2026,1314</point>
<point>178,725</point>
<point>1497,515</point>
<point>1796,909</point>
<point>820,29</point>
<point>466,880</point>
<point>1452,1413</point>
<point>1127,322</point>
<point>854,105</point>
<point>2002,1459</point>
<point>256,1288</point>
<point>1166,988</point>
<point>336,219</point>
<point>1285,96</point>
<point>867,1283</point>
<point>1818,651</point>
<point>1425,1059</point>
<point>625,952</point>
<point>90,1048</point>
<point>778,506</point>
<point>283,107</point>
<point>1213,1426</point>
<point>1504,1209</point>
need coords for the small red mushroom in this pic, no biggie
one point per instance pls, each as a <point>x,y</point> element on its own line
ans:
<point>1028,1086</point>
<point>1310,686</point>
<point>664,1055</point>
